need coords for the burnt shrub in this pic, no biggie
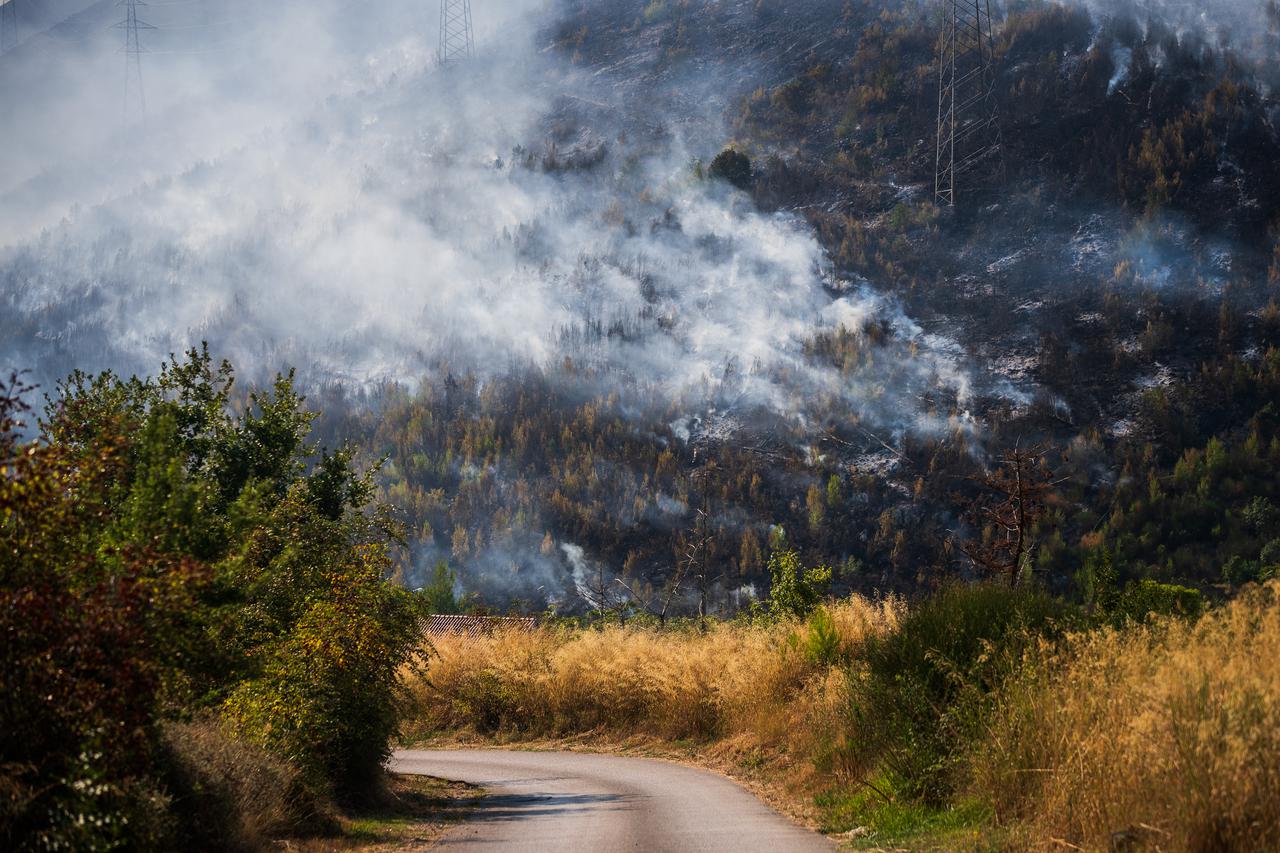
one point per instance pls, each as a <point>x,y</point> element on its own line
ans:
<point>733,166</point>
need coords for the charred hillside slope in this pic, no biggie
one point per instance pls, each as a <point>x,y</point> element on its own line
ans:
<point>604,358</point>
<point>1121,274</point>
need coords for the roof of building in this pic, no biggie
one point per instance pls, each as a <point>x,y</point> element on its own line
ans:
<point>475,626</point>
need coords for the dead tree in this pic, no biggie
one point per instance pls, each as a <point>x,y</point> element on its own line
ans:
<point>659,606</point>
<point>602,597</point>
<point>698,550</point>
<point>1014,501</point>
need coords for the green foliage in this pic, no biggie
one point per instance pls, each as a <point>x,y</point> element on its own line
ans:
<point>1138,600</point>
<point>882,819</point>
<point>327,699</point>
<point>930,683</point>
<point>822,640</point>
<point>1146,598</point>
<point>1261,515</point>
<point>1238,571</point>
<point>438,595</point>
<point>168,549</point>
<point>1098,581</point>
<point>1203,515</point>
<point>795,591</point>
<point>489,701</point>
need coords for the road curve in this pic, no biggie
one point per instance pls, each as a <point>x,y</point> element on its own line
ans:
<point>572,802</point>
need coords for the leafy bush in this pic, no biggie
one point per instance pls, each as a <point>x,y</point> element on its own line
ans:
<point>1146,598</point>
<point>327,698</point>
<point>1237,571</point>
<point>82,635</point>
<point>928,685</point>
<point>795,591</point>
<point>168,549</point>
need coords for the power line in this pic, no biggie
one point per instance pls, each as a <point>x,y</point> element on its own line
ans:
<point>457,37</point>
<point>133,50</point>
<point>968,142</point>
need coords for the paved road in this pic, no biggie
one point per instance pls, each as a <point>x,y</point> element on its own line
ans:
<point>575,803</point>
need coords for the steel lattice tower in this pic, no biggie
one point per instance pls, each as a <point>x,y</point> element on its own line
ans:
<point>8,26</point>
<point>135,98</point>
<point>457,38</point>
<point>968,122</point>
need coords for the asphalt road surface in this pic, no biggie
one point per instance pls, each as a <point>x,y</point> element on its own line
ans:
<point>575,803</point>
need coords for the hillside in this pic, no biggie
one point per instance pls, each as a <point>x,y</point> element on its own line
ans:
<point>1113,303</point>
<point>597,368</point>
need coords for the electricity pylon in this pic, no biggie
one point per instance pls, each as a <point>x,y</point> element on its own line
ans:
<point>133,91</point>
<point>457,38</point>
<point>8,26</point>
<point>968,121</point>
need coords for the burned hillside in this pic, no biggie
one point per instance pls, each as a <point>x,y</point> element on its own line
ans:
<point>632,303</point>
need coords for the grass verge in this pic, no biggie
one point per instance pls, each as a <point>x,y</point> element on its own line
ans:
<point>413,813</point>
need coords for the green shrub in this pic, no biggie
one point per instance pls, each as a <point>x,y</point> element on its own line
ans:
<point>327,698</point>
<point>85,637</point>
<point>823,646</point>
<point>166,551</point>
<point>488,701</point>
<point>930,683</point>
<point>1261,515</point>
<point>1145,598</point>
<point>1238,571</point>
<point>795,591</point>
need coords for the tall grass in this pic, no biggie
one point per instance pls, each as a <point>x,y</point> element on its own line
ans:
<point>1164,737</point>
<point>780,682</point>
<point>930,685</point>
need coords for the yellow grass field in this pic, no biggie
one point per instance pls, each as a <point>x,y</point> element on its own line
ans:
<point>1158,737</point>
<point>1163,737</point>
<point>753,691</point>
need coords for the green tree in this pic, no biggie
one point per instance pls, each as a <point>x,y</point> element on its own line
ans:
<point>438,595</point>
<point>795,591</point>
<point>168,549</point>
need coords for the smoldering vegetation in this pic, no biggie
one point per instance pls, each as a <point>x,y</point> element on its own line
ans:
<point>408,220</point>
<point>523,280</point>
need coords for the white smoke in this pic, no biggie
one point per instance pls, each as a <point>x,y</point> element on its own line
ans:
<point>368,217</point>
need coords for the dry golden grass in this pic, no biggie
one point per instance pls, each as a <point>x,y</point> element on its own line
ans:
<point>732,680</point>
<point>1166,737</point>
<point>234,795</point>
